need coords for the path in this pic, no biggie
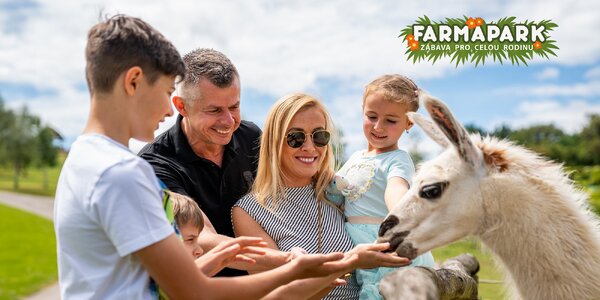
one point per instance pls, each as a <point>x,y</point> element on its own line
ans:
<point>42,206</point>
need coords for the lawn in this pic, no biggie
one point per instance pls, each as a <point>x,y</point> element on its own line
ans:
<point>490,286</point>
<point>30,262</point>
<point>31,181</point>
<point>27,253</point>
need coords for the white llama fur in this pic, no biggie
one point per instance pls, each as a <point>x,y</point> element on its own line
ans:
<point>523,208</point>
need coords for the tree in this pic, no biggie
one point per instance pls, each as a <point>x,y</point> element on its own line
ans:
<point>472,128</point>
<point>502,132</point>
<point>47,152</point>
<point>6,122</point>
<point>590,141</point>
<point>338,148</point>
<point>21,142</point>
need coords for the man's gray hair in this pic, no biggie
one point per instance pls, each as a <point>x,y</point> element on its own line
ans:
<point>209,64</point>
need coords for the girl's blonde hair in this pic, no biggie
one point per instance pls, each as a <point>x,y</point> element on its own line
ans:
<point>268,186</point>
<point>395,88</point>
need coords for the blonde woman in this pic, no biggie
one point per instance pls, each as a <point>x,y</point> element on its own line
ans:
<point>287,206</point>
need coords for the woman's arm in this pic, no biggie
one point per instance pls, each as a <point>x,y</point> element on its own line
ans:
<point>268,259</point>
<point>245,225</point>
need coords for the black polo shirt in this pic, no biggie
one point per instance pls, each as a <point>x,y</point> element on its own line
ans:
<point>215,189</point>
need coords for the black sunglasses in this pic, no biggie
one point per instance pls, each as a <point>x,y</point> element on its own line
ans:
<point>320,138</point>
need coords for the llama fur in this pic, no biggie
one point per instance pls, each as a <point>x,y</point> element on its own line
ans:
<point>523,207</point>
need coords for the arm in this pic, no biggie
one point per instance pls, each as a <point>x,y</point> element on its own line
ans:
<point>368,256</point>
<point>245,225</point>
<point>267,259</point>
<point>173,269</point>
<point>228,252</point>
<point>314,288</point>
<point>395,189</point>
<point>371,256</point>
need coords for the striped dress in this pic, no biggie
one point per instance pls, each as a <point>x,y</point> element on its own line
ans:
<point>294,223</point>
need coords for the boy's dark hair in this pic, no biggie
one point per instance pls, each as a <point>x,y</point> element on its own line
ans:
<point>122,42</point>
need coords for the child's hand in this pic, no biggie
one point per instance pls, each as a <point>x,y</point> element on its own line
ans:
<point>296,252</point>
<point>319,265</point>
<point>230,251</point>
<point>371,256</point>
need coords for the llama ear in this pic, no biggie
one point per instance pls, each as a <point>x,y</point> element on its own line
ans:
<point>430,129</point>
<point>452,129</point>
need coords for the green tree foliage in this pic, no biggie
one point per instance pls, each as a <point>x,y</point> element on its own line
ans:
<point>502,132</point>
<point>24,141</point>
<point>47,153</point>
<point>589,152</point>
<point>472,128</point>
<point>578,149</point>
<point>6,120</point>
<point>338,147</point>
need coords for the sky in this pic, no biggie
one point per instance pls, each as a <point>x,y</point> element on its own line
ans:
<point>329,49</point>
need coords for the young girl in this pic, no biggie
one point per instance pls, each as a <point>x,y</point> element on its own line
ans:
<point>380,175</point>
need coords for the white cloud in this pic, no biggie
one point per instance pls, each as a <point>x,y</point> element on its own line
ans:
<point>570,116</point>
<point>548,73</point>
<point>278,47</point>
<point>582,89</point>
<point>593,74</point>
<point>577,25</point>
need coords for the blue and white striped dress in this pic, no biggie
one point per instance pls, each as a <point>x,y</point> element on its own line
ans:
<point>294,223</point>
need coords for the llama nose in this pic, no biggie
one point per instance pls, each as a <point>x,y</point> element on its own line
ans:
<point>387,224</point>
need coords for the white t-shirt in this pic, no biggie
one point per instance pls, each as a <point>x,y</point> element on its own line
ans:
<point>108,205</point>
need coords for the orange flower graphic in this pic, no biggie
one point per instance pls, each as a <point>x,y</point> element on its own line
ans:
<point>537,45</point>
<point>478,21</point>
<point>471,23</point>
<point>410,38</point>
<point>414,45</point>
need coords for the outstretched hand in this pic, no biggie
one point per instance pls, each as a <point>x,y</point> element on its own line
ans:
<point>371,256</point>
<point>228,252</point>
<point>319,265</point>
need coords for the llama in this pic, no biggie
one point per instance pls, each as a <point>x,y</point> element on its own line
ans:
<point>522,207</point>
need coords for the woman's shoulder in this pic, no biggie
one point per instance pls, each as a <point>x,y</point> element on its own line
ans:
<point>247,201</point>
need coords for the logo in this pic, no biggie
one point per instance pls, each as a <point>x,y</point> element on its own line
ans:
<point>474,40</point>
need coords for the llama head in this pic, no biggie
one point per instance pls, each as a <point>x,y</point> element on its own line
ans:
<point>444,201</point>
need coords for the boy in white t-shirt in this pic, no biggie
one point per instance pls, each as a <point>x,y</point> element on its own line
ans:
<point>112,232</point>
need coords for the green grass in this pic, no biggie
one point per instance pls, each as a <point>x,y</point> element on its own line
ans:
<point>31,181</point>
<point>487,271</point>
<point>27,253</point>
<point>30,261</point>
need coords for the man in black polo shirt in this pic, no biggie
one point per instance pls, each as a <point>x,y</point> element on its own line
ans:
<point>210,154</point>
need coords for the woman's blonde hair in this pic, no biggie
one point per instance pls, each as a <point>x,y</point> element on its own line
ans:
<point>268,186</point>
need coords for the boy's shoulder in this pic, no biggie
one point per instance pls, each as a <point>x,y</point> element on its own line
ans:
<point>94,153</point>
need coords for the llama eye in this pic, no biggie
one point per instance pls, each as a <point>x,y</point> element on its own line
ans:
<point>433,191</point>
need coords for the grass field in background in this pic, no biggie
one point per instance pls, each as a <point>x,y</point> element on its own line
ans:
<point>487,271</point>
<point>31,181</point>
<point>28,258</point>
<point>27,253</point>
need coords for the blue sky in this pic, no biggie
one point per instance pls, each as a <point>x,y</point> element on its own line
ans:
<point>330,49</point>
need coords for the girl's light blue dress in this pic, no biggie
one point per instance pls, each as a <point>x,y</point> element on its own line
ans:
<point>368,176</point>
